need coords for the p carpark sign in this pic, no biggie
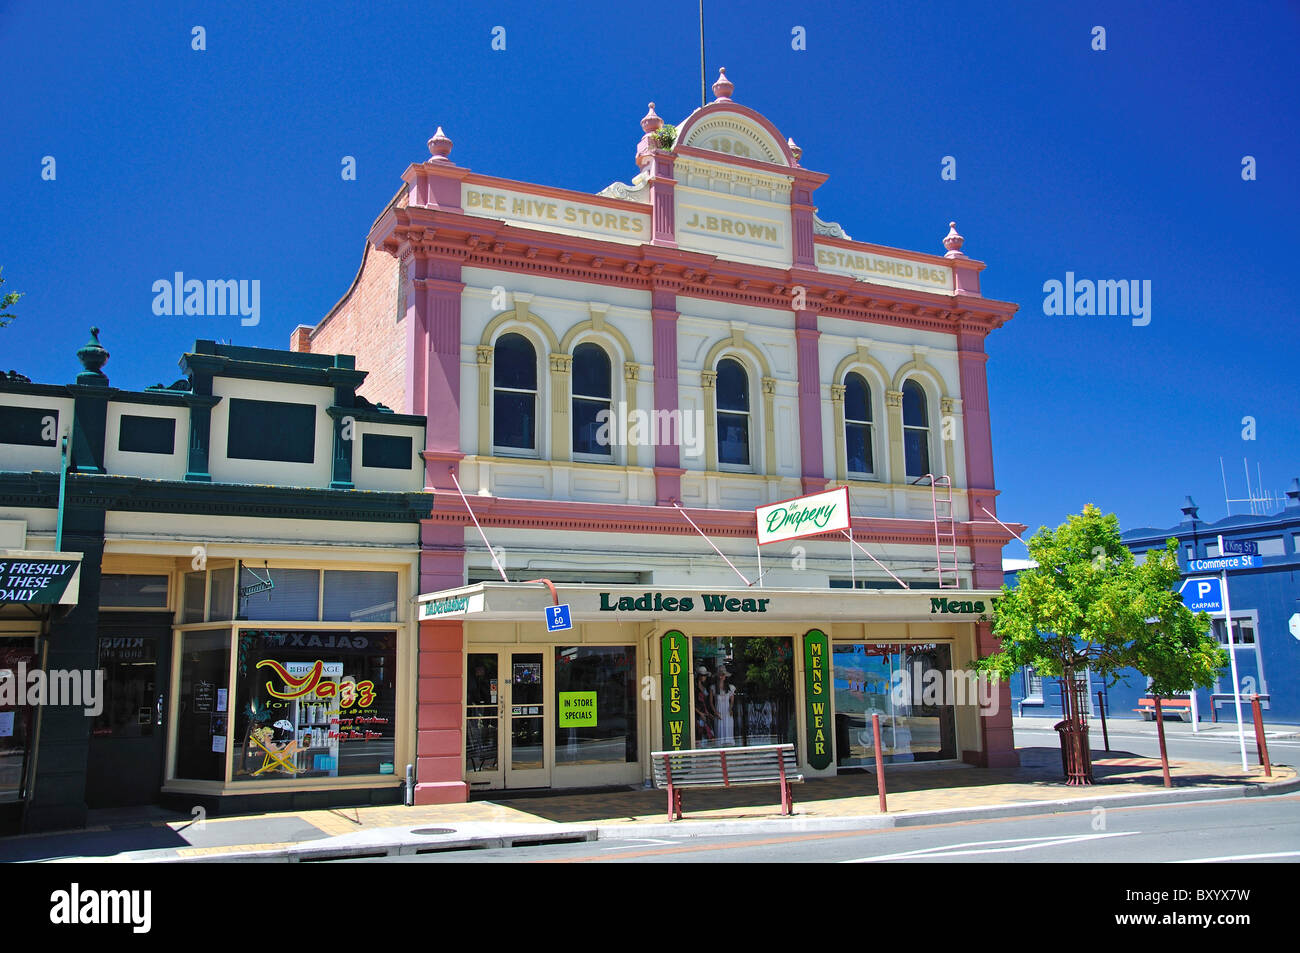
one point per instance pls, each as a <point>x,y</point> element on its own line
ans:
<point>1203,594</point>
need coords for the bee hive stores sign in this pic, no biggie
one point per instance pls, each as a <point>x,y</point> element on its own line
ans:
<point>816,652</point>
<point>803,516</point>
<point>675,696</point>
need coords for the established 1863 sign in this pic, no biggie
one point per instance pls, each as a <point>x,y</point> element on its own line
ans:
<point>38,581</point>
<point>816,656</point>
<point>676,694</point>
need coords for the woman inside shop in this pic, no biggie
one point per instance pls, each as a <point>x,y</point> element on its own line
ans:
<point>723,696</point>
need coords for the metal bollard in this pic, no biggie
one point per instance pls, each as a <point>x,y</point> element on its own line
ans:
<point>880,763</point>
<point>410,785</point>
<point>1260,744</point>
<point>1101,708</point>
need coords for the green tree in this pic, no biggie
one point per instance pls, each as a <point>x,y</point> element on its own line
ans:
<point>1089,604</point>
<point>7,301</point>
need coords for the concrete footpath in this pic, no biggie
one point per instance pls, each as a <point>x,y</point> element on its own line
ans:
<point>917,794</point>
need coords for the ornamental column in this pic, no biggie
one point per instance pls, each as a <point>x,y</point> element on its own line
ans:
<point>807,336</point>
<point>663,322</point>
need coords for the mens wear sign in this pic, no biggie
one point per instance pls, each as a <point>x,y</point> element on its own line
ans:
<point>803,516</point>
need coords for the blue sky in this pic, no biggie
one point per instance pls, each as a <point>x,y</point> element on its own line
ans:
<point>1115,164</point>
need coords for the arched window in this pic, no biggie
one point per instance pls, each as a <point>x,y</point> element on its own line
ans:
<point>857,425</point>
<point>514,399</point>
<point>916,430</point>
<point>591,395</point>
<point>733,413</point>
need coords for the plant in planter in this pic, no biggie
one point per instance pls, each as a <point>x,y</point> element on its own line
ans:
<point>665,136</point>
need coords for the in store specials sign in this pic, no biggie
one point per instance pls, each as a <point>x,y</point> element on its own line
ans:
<point>803,516</point>
<point>577,709</point>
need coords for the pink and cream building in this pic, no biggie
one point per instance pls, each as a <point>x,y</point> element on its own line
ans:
<point>797,360</point>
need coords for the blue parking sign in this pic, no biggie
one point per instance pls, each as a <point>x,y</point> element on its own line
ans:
<point>1202,594</point>
<point>557,618</point>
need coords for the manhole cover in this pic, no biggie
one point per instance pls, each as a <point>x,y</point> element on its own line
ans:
<point>434,831</point>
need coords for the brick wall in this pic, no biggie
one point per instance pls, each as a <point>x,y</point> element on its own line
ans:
<point>366,324</point>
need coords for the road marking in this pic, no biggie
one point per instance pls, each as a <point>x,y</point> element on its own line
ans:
<point>1021,843</point>
<point>640,842</point>
<point>1219,860</point>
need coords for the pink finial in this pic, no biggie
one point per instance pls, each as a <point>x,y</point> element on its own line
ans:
<point>723,87</point>
<point>794,150</point>
<point>953,242</point>
<point>439,146</point>
<point>651,122</point>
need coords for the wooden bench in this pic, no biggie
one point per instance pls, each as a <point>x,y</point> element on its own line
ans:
<point>724,768</point>
<point>1220,698</point>
<point>1180,706</point>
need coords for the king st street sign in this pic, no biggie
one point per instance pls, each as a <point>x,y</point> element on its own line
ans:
<point>803,516</point>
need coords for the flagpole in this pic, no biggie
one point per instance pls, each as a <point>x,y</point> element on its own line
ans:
<point>703,99</point>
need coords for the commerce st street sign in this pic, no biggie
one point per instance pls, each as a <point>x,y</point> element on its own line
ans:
<point>1221,563</point>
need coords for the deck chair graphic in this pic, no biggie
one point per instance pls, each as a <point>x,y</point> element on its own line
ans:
<point>277,758</point>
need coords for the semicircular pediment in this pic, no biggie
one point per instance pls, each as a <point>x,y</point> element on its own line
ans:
<point>731,133</point>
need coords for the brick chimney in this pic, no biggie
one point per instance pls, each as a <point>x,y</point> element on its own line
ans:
<point>300,339</point>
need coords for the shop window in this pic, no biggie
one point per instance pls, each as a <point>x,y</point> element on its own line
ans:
<point>514,401</point>
<point>744,691</point>
<point>386,452</point>
<point>857,425</point>
<point>271,430</point>
<point>221,598</point>
<point>196,584</point>
<point>29,426</point>
<point>314,705</point>
<point>130,704</point>
<point>17,722</point>
<point>360,596</point>
<point>916,430</point>
<point>130,591</point>
<point>202,719</point>
<point>733,413</point>
<point>591,395</point>
<point>294,597</point>
<point>146,434</point>
<point>906,685</point>
<point>595,703</point>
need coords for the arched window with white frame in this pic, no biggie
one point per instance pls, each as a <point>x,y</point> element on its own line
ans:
<point>733,414</point>
<point>858,435</point>
<point>916,430</point>
<point>514,397</point>
<point>592,393</point>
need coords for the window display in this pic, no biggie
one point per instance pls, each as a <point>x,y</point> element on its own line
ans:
<point>314,704</point>
<point>596,701</point>
<point>16,721</point>
<point>201,722</point>
<point>884,679</point>
<point>744,691</point>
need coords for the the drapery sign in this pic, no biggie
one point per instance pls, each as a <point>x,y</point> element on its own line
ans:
<point>803,516</point>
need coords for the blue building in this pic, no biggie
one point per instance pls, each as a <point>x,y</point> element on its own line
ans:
<point>1262,601</point>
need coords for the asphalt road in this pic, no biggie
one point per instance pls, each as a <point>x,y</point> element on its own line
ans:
<point>1219,744</point>
<point>1237,830</point>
